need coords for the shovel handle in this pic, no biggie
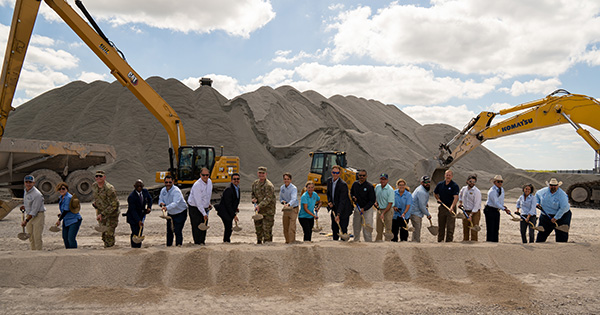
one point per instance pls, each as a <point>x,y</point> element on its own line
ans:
<point>544,212</point>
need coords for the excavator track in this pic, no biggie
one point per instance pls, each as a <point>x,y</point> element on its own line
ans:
<point>585,194</point>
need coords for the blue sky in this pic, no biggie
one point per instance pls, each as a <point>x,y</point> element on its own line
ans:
<point>439,61</point>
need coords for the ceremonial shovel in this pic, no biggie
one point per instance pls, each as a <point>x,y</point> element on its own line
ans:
<point>139,238</point>
<point>472,227</point>
<point>432,228</point>
<point>257,216</point>
<point>168,218</point>
<point>513,218</point>
<point>410,228</point>
<point>564,227</point>
<point>450,210</point>
<point>317,228</point>
<point>537,228</point>
<point>54,228</point>
<point>23,236</point>
<point>203,226</point>
<point>236,227</point>
<point>366,226</point>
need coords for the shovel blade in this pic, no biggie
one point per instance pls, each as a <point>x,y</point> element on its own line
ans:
<point>203,227</point>
<point>23,236</point>
<point>460,215</point>
<point>100,228</point>
<point>433,230</point>
<point>344,236</point>
<point>257,217</point>
<point>476,228</point>
<point>54,228</point>
<point>237,228</point>
<point>137,239</point>
<point>564,228</point>
<point>539,229</point>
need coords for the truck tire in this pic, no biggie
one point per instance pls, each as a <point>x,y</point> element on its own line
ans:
<point>80,184</point>
<point>46,181</point>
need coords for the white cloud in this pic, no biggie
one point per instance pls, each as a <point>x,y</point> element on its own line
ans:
<point>514,37</point>
<point>35,81</point>
<point>400,85</point>
<point>89,77</point>
<point>496,107</point>
<point>535,86</point>
<point>235,17</point>
<point>457,116</point>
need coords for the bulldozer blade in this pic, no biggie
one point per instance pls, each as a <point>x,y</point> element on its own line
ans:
<point>7,206</point>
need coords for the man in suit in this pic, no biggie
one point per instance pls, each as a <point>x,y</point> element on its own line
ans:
<point>227,209</point>
<point>338,201</point>
<point>139,204</point>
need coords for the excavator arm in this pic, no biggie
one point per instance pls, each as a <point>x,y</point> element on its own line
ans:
<point>22,25</point>
<point>560,107</point>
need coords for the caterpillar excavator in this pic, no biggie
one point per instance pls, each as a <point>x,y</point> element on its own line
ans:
<point>185,160</point>
<point>320,170</point>
<point>560,107</point>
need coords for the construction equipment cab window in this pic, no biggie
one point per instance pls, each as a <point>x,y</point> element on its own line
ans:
<point>193,159</point>
<point>322,163</point>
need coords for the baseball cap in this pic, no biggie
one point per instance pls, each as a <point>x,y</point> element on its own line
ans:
<point>425,178</point>
<point>29,178</point>
<point>383,175</point>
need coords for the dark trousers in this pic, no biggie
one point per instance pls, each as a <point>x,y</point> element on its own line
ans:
<point>196,218</point>
<point>546,222</point>
<point>228,228</point>
<point>135,229</point>
<point>307,226</point>
<point>69,234</point>
<point>178,224</point>
<point>398,225</point>
<point>492,223</point>
<point>525,226</point>
<point>447,224</point>
<point>344,220</point>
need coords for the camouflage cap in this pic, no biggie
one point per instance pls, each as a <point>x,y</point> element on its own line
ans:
<point>100,173</point>
<point>262,169</point>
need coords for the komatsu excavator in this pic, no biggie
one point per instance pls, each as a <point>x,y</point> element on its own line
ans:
<point>185,160</point>
<point>560,107</point>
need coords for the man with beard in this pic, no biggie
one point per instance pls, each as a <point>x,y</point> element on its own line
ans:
<point>470,198</point>
<point>555,203</point>
<point>419,207</point>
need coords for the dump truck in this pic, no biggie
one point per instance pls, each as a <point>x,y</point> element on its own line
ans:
<point>50,162</point>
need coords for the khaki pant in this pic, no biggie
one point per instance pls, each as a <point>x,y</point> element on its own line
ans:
<point>468,234</point>
<point>384,227</point>
<point>289,225</point>
<point>416,223</point>
<point>34,227</point>
<point>357,224</point>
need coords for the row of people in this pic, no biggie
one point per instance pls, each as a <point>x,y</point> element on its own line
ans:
<point>393,209</point>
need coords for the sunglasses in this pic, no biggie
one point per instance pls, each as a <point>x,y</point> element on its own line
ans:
<point>236,178</point>
<point>426,182</point>
<point>335,172</point>
<point>62,188</point>
<point>553,185</point>
<point>168,182</point>
<point>499,181</point>
<point>359,175</point>
<point>203,174</point>
<point>99,176</point>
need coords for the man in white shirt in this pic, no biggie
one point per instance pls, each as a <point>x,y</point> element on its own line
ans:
<point>33,206</point>
<point>470,198</point>
<point>288,196</point>
<point>199,205</point>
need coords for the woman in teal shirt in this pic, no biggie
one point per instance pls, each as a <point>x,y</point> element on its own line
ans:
<point>309,201</point>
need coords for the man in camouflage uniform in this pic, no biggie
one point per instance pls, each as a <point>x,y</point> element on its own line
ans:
<point>263,195</point>
<point>107,207</point>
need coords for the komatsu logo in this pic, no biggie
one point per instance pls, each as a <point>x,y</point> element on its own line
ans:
<point>523,122</point>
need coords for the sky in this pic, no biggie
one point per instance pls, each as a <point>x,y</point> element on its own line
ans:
<point>439,61</point>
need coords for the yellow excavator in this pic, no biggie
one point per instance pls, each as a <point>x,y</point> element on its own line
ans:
<point>185,160</point>
<point>320,170</point>
<point>560,107</point>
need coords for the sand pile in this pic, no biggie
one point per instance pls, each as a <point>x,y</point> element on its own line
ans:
<point>272,127</point>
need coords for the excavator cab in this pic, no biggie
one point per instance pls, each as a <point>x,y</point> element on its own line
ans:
<point>192,159</point>
<point>320,170</point>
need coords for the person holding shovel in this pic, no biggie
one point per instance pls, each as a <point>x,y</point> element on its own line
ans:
<point>139,203</point>
<point>418,209</point>
<point>402,204</point>
<point>363,195</point>
<point>107,207</point>
<point>309,202</point>
<point>69,214</point>
<point>384,194</point>
<point>172,202</point>
<point>288,196</point>
<point>227,209</point>
<point>446,194</point>
<point>555,203</point>
<point>338,201</point>
<point>263,196</point>
<point>33,206</point>
<point>526,208</point>
<point>469,197</point>
<point>493,206</point>
<point>199,205</point>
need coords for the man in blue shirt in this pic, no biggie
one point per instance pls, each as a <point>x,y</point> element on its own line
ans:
<point>419,207</point>
<point>288,196</point>
<point>171,200</point>
<point>446,192</point>
<point>555,202</point>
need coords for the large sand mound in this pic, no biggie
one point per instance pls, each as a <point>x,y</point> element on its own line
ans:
<point>272,127</point>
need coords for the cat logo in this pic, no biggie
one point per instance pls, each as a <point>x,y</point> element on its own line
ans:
<point>133,79</point>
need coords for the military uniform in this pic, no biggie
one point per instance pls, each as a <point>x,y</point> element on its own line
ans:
<point>107,204</point>
<point>264,193</point>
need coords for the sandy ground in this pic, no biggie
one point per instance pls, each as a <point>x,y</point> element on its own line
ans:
<point>320,277</point>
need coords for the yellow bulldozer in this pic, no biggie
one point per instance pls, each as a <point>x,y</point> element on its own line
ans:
<point>320,170</point>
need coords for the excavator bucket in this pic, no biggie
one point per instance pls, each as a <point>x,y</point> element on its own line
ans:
<point>7,206</point>
<point>431,168</point>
